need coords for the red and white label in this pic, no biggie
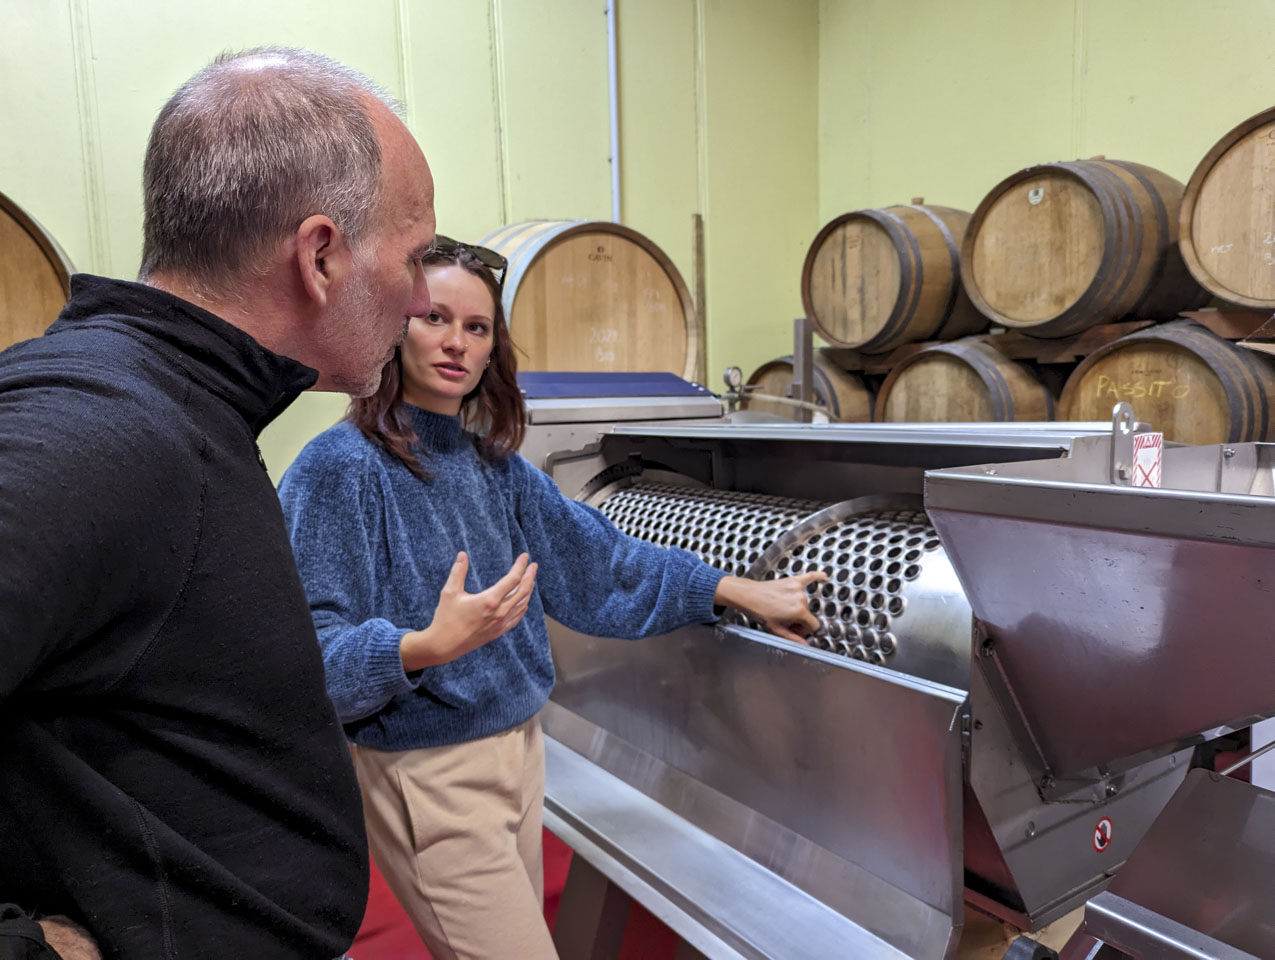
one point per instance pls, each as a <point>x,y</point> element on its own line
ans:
<point>1148,455</point>
<point>1102,835</point>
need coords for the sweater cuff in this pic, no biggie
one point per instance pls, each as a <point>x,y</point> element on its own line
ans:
<point>700,591</point>
<point>385,663</point>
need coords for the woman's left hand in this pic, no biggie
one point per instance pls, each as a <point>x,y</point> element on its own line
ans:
<point>783,605</point>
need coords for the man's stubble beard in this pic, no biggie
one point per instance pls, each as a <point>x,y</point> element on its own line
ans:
<point>363,308</point>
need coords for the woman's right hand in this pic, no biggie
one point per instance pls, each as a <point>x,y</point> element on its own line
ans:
<point>465,621</point>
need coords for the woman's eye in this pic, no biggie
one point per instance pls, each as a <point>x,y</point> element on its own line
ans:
<point>480,329</point>
<point>434,318</point>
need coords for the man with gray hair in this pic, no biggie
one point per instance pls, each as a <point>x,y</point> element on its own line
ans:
<point>173,779</point>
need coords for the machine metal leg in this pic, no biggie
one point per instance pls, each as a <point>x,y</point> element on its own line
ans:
<point>592,915</point>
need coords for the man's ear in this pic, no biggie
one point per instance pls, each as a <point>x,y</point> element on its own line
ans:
<point>323,257</point>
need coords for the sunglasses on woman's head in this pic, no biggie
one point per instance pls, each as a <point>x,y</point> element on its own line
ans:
<point>488,258</point>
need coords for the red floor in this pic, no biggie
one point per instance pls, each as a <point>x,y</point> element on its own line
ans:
<point>387,934</point>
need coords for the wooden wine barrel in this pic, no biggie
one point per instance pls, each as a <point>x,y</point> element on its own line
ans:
<point>1059,247</point>
<point>875,279</point>
<point>845,395</point>
<point>35,275</point>
<point>964,381</point>
<point>1228,215</point>
<point>1181,378</point>
<point>595,295</point>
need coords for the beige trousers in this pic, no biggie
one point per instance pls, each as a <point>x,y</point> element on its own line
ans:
<point>456,833</point>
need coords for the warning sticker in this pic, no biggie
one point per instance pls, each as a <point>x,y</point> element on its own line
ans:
<point>1102,835</point>
<point>1148,454</point>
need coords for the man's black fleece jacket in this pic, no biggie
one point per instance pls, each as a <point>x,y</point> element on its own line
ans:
<point>172,775</point>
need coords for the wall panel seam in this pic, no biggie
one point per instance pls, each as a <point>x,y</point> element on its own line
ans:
<point>701,157</point>
<point>403,28</point>
<point>496,29</point>
<point>1079,64</point>
<point>89,122</point>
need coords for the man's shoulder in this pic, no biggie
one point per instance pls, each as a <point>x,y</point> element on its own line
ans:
<point>90,399</point>
<point>91,363</point>
<point>84,338</point>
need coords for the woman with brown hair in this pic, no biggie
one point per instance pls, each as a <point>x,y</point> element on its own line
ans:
<point>394,515</point>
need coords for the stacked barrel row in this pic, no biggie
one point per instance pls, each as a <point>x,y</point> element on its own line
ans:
<point>1051,251</point>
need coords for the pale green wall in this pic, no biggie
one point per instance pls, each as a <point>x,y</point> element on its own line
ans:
<point>761,173</point>
<point>945,98</point>
<point>509,100</point>
<point>767,117</point>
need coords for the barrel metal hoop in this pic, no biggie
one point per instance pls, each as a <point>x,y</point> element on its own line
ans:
<point>808,268</point>
<point>1051,405</point>
<point>1113,275</point>
<point>954,257</point>
<point>829,394</point>
<point>59,262</point>
<point>997,386</point>
<point>1226,365</point>
<point>901,234</point>
<point>546,233</point>
<point>1252,398</point>
<point>1162,233</point>
<point>824,390</point>
<point>1065,323</point>
<point>1214,351</point>
<point>1187,210</point>
<point>1133,246</point>
<point>524,254</point>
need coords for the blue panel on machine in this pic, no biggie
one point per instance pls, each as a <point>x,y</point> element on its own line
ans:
<point>545,385</point>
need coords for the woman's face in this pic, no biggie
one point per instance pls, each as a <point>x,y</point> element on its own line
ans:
<point>444,354</point>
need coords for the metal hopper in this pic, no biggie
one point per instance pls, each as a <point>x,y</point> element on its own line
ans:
<point>1116,620</point>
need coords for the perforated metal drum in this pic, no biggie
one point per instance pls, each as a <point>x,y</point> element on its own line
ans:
<point>891,597</point>
<point>726,530</point>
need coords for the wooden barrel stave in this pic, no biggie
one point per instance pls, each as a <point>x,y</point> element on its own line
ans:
<point>876,279</point>
<point>960,318</point>
<point>845,395</point>
<point>1181,378</point>
<point>963,381</point>
<point>595,295</point>
<point>1170,284</point>
<point>1130,267</point>
<point>1104,239</point>
<point>35,275</point>
<point>1227,213</point>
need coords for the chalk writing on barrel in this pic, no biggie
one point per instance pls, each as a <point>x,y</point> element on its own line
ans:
<point>1138,388</point>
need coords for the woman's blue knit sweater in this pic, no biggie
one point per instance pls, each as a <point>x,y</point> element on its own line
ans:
<point>375,545</point>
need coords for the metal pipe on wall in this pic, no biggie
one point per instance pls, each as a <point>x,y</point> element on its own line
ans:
<point>614,95</point>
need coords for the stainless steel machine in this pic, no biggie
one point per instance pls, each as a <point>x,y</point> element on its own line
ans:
<point>956,731</point>
<point>1154,623</point>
